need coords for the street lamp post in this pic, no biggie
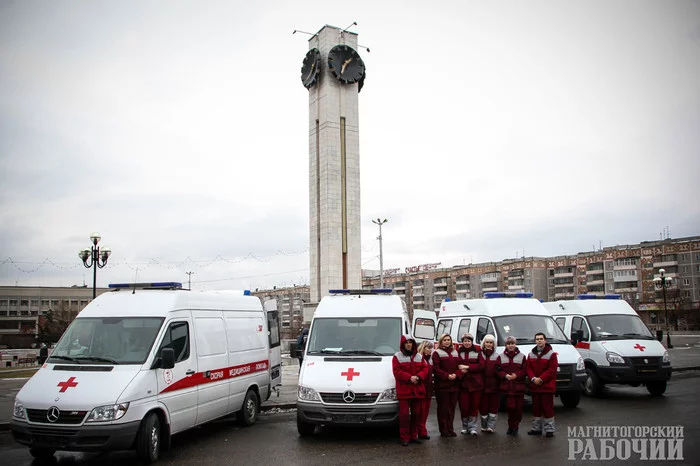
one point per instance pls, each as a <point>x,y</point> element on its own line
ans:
<point>380,222</point>
<point>664,282</point>
<point>97,258</point>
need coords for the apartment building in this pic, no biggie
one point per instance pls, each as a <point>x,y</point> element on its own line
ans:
<point>290,304</point>
<point>22,308</point>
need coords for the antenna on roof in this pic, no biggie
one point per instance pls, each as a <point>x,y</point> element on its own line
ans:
<point>136,279</point>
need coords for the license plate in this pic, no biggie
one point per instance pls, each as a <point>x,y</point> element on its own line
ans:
<point>50,440</point>
<point>349,418</point>
<point>647,370</point>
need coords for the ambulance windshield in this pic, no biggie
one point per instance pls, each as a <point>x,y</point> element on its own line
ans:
<point>524,328</point>
<point>378,336</point>
<point>107,340</point>
<point>618,327</point>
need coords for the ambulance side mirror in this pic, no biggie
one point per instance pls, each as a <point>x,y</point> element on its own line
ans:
<point>574,338</point>
<point>167,358</point>
<point>660,335</point>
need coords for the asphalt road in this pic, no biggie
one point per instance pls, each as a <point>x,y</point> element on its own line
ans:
<point>274,439</point>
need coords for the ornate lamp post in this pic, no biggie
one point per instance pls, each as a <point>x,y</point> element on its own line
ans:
<point>380,222</point>
<point>664,282</point>
<point>94,257</point>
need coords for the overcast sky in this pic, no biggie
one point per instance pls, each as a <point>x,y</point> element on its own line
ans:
<point>179,131</point>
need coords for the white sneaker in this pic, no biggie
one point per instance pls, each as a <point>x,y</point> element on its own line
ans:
<point>484,429</point>
<point>464,431</point>
<point>489,430</point>
<point>473,432</point>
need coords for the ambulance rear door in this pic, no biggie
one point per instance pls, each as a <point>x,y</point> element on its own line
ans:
<point>273,333</point>
<point>424,324</point>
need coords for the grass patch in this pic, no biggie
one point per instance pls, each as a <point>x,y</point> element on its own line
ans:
<point>20,374</point>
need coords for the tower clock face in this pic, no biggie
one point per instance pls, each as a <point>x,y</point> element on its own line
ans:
<point>310,68</point>
<point>345,64</point>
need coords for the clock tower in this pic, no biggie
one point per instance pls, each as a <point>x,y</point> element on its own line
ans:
<point>334,72</point>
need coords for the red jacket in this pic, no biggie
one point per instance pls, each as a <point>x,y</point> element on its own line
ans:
<point>471,381</point>
<point>491,380</point>
<point>428,381</point>
<point>512,363</point>
<point>543,365</point>
<point>404,367</point>
<point>444,364</point>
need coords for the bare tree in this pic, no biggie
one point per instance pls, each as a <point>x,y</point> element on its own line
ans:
<point>55,322</point>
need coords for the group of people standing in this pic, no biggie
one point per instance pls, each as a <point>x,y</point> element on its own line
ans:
<point>475,378</point>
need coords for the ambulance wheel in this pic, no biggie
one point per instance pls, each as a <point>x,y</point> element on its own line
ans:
<point>592,386</point>
<point>148,439</point>
<point>570,399</point>
<point>656,388</point>
<point>305,428</point>
<point>249,412</point>
<point>42,453</point>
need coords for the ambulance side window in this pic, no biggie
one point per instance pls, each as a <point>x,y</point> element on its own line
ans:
<point>464,326</point>
<point>577,323</point>
<point>444,326</point>
<point>561,322</point>
<point>177,337</point>
<point>484,328</point>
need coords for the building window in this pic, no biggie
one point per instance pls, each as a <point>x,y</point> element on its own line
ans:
<point>35,303</point>
<point>13,302</point>
<point>684,257</point>
<point>24,302</point>
<point>44,303</point>
<point>3,303</point>
<point>686,281</point>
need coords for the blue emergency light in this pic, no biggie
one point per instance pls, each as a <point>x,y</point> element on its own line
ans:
<point>246,292</point>
<point>594,296</point>
<point>150,286</point>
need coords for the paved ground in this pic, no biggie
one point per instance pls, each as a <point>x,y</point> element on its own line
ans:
<point>274,439</point>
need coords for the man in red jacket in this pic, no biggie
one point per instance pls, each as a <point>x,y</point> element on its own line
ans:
<point>410,370</point>
<point>542,367</point>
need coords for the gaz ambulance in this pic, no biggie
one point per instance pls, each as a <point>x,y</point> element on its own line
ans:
<point>615,344</point>
<point>346,377</point>
<point>144,362</point>
<point>518,315</point>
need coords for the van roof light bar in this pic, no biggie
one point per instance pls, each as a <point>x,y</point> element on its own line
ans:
<point>373,291</point>
<point>146,286</point>
<point>595,296</point>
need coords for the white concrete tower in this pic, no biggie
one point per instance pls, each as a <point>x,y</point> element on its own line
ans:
<point>334,160</point>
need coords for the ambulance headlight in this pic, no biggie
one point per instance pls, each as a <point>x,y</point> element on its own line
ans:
<point>388,395</point>
<point>308,394</point>
<point>580,366</point>
<point>614,358</point>
<point>666,359</point>
<point>108,413</point>
<point>18,412</point>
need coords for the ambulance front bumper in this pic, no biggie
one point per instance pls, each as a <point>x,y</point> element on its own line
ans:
<point>76,438</point>
<point>377,414</point>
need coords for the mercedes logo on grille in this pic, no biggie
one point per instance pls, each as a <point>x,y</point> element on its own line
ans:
<point>348,396</point>
<point>646,361</point>
<point>52,414</point>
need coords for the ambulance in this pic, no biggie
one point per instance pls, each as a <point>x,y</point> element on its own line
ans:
<point>146,361</point>
<point>346,377</point>
<point>615,344</point>
<point>519,315</point>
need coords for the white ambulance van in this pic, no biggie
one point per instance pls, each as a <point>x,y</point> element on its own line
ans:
<point>144,362</point>
<point>346,376</point>
<point>519,315</point>
<point>615,344</point>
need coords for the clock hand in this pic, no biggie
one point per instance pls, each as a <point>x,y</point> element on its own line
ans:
<point>313,65</point>
<point>345,63</point>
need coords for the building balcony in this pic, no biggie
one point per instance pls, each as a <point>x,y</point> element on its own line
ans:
<point>625,278</point>
<point>626,289</point>
<point>594,272</point>
<point>440,293</point>
<point>516,276</point>
<point>625,267</point>
<point>462,282</point>
<point>490,279</point>
<point>563,274</point>
<point>400,288</point>
<point>564,294</point>
<point>516,287</point>
<point>463,296</point>
<point>666,263</point>
<point>595,281</point>
<point>596,292</point>
<point>417,293</point>
<point>489,288</point>
<point>564,285</point>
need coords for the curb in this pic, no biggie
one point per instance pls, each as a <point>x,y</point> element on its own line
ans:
<point>685,369</point>
<point>278,406</point>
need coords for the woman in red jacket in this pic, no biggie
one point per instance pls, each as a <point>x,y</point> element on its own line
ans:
<point>542,367</point>
<point>425,349</point>
<point>490,397</point>
<point>445,362</point>
<point>512,370</point>
<point>409,371</point>
<point>471,383</point>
